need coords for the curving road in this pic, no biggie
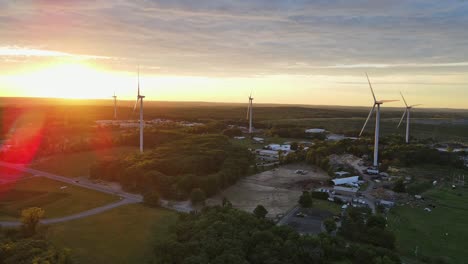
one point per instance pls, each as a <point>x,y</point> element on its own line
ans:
<point>73,217</point>
<point>126,198</point>
<point>88,185</point>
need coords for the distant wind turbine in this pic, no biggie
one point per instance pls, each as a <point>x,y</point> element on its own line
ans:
<point>407,113</point>
<point>115,106</point>
<point>250,113</point>
<point>140,98</point>
<point>377,122</point>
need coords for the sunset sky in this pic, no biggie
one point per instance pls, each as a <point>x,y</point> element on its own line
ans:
<point>304,52</point>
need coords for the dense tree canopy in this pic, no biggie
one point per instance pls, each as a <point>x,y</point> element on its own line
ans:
<point>208,162</point>
<point>226,235</point>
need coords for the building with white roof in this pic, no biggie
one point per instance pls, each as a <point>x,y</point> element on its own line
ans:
<point>315,130</point>
<point>278,147</point>
<point>349,180</point>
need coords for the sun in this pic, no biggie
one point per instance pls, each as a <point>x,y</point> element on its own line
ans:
<point>71,80</point>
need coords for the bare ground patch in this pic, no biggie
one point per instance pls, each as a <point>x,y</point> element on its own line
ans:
<point>278,189</point>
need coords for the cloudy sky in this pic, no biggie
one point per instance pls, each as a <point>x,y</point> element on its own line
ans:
<point>285,51</point>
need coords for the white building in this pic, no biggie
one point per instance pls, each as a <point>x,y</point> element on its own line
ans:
<point>340,174</point>
<point>259,140</point>
<point>315,131</point>
<point>345,190</point>
<point>268,155</point>
<point>278,147</point>
<point>349,180</point>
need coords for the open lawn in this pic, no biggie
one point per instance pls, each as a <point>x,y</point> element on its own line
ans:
<point>49,195</point>
<point>327,206</point>
<point>78,164</point>
<point>122,235</point>
<point>440,233</point>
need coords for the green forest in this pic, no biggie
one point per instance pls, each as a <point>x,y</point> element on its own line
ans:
<point>206,162</point>
<point>223,235</point>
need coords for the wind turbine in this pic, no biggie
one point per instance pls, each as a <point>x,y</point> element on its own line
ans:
<point>407,113</point>
<point>250,113</point>
<point>377,122</point>
<point>115,106</point>
<point>140,98</point>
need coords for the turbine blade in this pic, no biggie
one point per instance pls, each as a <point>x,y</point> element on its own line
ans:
<point>387,101</point>
<point>248,111</point>
<point>403,99</point>
<point>415,105</point>
<point>367,120</point>
<point>401,120</point>
<point>370,85</point>
<point>138,81</point>
<point>136,104</point>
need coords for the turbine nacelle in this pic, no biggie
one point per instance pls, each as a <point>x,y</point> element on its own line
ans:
<point>407,114</point>
<point>376,102</point>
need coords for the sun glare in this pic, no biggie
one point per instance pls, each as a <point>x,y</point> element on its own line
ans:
<point>73,80</point>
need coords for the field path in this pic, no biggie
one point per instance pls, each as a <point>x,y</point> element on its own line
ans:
<point>75,216</point>
<point>126,198</point>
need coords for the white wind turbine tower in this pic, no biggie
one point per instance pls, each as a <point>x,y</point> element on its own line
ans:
<point>377,122</point>
<point>140,98</point>
<point>407,113</point>
<point>115,106</point>
<point>250,113</point>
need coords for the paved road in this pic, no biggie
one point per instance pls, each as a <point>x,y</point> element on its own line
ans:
<point>286,218</point>
<point>126,198</point>
<point>88,185</point>
<point>368,197</point>
<point>75,216</point>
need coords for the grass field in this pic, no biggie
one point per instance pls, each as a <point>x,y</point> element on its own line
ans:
<point>47,194</point>
<point>440,233</point>
<point>122,235</point>
<point>78,164</point>
<point>327,206</point>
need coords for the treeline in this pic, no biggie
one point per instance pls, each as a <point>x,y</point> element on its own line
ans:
<point>14,250</point>
<point>206,162</point>
<point>413,154</point>
<point>360,225</point>
<point>223,235</point>
<point>27,245</point>
<point>393,152</point>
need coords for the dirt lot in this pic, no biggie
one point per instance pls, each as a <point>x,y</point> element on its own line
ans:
<point>278,190</point>
<point>349,161</point>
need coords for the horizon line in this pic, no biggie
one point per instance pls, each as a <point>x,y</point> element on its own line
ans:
<point>214,102</point>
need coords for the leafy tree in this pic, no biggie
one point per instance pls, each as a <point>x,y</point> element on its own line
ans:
<point>226,202</point>
<point>30,218</point>
<point>209,162</point>
<point>330,225</point>
<point>197,196</point>
<point>294,146</point>
<point>377,221</point>
<point>260,211</point>
<point>227,235</point>
<point>34,251</point>
<point>232,132</point>
<point>151,199</point>
<point>306,200</point>
<point>399,186</point>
